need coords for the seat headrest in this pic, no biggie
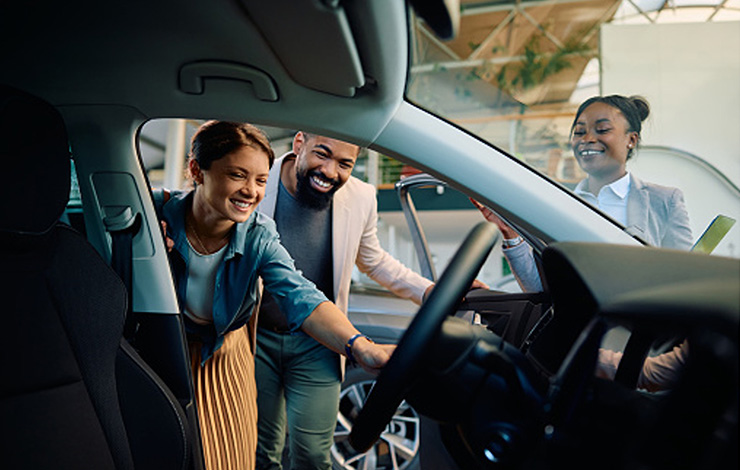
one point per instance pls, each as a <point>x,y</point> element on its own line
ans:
<point>36,162</point>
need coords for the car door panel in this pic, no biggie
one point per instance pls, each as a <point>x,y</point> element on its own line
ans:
<point>511,316</point>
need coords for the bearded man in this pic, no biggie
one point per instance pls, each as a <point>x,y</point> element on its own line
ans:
<point>327,220</point>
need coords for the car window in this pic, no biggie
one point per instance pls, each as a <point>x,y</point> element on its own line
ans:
<point>164,144</point>
<point>446,215</point>
<point>516,74</point>
<point>73,213</point>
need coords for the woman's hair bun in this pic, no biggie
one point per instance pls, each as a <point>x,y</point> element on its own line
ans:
<point>641,106</point>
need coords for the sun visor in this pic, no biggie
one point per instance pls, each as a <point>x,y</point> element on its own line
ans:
<point>314,43</point>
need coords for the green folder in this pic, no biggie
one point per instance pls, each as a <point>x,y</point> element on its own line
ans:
<point>713,234</point>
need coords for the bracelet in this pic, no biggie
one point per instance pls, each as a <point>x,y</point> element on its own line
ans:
<point>348,347</point>
<point>511,243</point>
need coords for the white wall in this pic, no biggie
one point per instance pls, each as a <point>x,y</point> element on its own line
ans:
<point>705,193</point>
<point>690,74</point>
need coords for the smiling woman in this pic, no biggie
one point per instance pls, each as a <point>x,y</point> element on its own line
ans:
<point>604,135</point>
<point>236,185</point>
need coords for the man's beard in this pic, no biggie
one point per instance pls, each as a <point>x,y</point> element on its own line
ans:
<point>308,196</point>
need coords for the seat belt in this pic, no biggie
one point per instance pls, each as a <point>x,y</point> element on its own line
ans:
<point>123,227</point>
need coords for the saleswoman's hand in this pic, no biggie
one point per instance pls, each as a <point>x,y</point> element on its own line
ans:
<point>490,216</point>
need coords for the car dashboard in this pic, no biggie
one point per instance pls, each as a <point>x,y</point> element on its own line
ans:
<point>540,403</point>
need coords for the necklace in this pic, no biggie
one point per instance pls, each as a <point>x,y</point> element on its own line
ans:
<point>200,242</point>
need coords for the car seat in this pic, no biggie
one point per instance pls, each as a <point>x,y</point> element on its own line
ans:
<point>73,394</point>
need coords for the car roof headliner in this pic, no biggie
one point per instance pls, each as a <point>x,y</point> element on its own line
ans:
<point>93,53</point>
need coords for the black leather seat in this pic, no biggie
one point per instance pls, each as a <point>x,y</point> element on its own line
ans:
<point>62,310</point>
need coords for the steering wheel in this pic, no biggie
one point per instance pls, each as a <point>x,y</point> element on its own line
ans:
<point>400,373</point>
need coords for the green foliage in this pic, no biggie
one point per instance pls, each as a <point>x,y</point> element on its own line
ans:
<point>390,169</point>
<point>536,66</point>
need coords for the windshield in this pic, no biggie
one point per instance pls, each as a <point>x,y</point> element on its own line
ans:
<point>517,73</point>
<point>515,76</point>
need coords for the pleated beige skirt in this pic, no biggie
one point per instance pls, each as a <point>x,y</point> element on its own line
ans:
<point>226,396</point>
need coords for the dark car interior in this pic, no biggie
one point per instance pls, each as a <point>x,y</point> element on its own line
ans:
<point>94,380</point>
<point>80,396</point>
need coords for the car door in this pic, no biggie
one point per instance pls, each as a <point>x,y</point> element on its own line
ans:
<point>503,308</point>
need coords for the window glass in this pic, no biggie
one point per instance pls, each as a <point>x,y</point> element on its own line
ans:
<point>164,146</point>
<point>517,72</point>
<point>73,214</point>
